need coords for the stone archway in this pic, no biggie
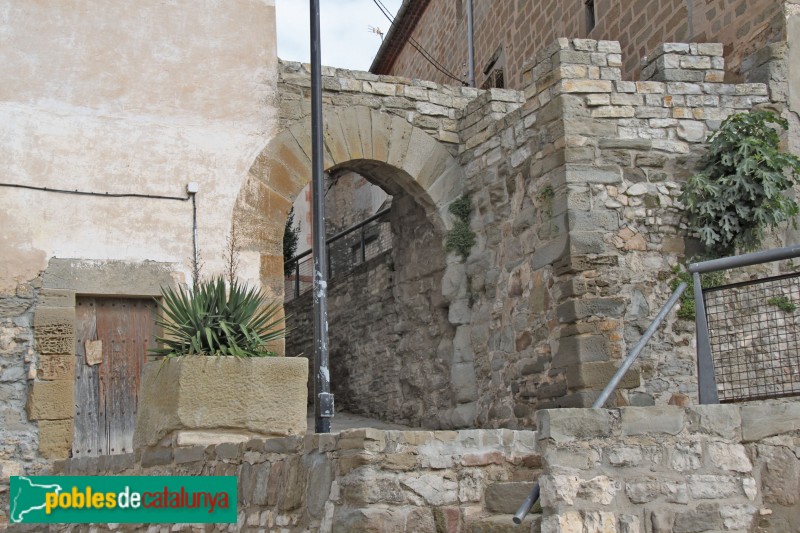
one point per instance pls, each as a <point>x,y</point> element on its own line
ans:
<point>424,178</point>
<point>362,138</point>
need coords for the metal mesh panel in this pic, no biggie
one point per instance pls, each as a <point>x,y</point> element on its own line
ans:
<point>345,252</point>
<point>754,334</point>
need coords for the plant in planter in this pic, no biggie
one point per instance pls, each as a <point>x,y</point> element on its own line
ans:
<point>215,320</point>
<point>220,379</point>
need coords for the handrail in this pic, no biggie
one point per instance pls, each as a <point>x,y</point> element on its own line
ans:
<point>706,380</point>
<point>526,506</point>
<point>766,256</point>
<point>341,234</point>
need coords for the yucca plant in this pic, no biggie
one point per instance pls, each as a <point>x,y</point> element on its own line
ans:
<point>218,320</point>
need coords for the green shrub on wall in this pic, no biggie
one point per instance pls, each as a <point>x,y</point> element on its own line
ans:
<point>461,238</point>
<point>741,191</point>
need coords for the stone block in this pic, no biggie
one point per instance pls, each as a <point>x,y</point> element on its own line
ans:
<point>649,420</point>
<point>586,86</point>
<point>57,367</point>
<point>581,349</point>
<point>703,518</point>
<point>762,420</point>
<point>54,329</point>
<point>597,375</point>
<point>156,456</point>
<point>56,298</point>
<point>565,425</point>
<point>55,438</point>
<point>51,400</point>
<point>573,310</point>
<point>189,454</point>
<point>722,420</point>
<point>506,497</point>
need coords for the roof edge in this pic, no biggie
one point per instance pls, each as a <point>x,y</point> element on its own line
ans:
<point>401,29</point>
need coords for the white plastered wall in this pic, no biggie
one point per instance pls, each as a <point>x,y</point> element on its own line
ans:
<point>129,97</point>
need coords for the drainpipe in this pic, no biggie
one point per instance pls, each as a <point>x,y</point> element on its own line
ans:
<point>323,400</point>
<point>471,50</point>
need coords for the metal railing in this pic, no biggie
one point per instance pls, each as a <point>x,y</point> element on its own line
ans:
<point>748,333</point>
<point>346,250</point>
<point>529,502</point>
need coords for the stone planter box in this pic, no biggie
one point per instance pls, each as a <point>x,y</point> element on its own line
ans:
<point>206,400</point>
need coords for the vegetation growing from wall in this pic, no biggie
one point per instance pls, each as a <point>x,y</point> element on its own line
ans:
<point>290,236</point>
<point>461,238</point>
<point>741,190</point>
<point>688,310</point>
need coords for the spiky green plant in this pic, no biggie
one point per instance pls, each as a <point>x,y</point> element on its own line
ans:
<point>216,320</point>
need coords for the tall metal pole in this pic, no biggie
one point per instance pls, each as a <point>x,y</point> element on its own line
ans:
<point>471,48</point>
<point>323,400</point>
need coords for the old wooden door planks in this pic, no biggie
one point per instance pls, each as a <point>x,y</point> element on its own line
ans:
<point>107,393</point>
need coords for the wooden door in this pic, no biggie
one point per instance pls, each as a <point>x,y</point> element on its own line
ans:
<point>107,386</point>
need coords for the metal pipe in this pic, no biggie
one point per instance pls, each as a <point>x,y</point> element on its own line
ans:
<point>195,245</point>
<point>526,506</point>
<point>634,353</point>
<point>323,399</point>
<point>706,381</point>
<point>470,47</point>
<point>737,261</point>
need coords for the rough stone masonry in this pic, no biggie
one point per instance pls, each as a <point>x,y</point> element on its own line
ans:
<point>574,185</point>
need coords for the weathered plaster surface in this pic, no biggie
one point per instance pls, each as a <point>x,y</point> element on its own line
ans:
<point>137,97</point>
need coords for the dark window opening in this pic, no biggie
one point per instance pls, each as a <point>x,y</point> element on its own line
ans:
<point>494,80</point>
<point>590,17</point>
<point>494,71</point>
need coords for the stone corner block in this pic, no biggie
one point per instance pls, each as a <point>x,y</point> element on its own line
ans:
<point>657,419</point>
<point>55,438</point>
<point>565,425</point>
<point>51,400</point>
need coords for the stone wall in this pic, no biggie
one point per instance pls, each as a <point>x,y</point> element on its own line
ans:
<point>356,480</point>
<point>514,32</point>
<point>574,185</point>
<point>671,470</point>
<point>663,469</point>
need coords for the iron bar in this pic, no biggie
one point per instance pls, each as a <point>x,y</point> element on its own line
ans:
<point>706,381</point>
<point>344,233</point>
<point>363,247</point>
<point>470,46</point>
<point>296,279</point>
<point>526,506</point>
<point>737,261</point>
<point>634,353</point>
<point>323,400</point>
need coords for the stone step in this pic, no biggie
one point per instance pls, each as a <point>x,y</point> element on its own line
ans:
<point>504,524</point>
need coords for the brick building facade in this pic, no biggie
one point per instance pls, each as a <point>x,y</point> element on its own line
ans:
<point>508,34</point>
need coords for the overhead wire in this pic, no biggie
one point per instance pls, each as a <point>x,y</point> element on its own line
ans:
<point>425,54</point>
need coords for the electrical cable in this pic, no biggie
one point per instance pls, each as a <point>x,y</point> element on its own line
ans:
<point>425,54</point>
<point>89,193</point>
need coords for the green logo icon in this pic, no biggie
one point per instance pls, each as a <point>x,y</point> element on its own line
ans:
<point>122,499</point>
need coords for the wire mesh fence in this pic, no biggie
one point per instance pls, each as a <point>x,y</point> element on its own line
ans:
<point>346,251</point>
<point>754,333</point>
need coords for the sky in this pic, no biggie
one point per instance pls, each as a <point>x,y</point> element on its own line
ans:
<point>344,26</point>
